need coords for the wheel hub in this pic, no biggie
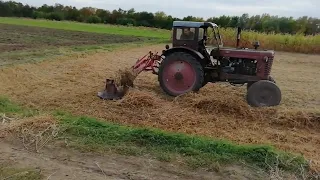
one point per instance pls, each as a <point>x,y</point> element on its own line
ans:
<point>179,77</point>
<point>265,97</point>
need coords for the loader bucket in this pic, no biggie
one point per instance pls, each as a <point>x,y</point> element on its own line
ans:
<point>110,92</point>
<point>149,62</point>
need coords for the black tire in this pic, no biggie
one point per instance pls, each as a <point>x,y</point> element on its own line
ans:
<point>258,93</point>
<point>182,56</point>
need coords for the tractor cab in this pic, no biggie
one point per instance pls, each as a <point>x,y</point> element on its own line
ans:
<point>194,35</point>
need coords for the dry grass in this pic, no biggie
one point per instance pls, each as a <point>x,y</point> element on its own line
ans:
<point>34,133</point>
<point>136,99</point>
<point>221,105</point>
<point>218,110</point>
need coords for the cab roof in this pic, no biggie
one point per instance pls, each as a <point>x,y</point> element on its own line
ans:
<point>193,24</point>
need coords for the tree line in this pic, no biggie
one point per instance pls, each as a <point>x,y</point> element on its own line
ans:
<point>260,23</point>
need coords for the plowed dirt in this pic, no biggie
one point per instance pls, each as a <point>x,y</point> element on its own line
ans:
<point>218,110</point>
<point>15,37</point>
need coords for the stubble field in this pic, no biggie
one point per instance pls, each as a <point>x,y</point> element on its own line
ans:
<point>217,111</point>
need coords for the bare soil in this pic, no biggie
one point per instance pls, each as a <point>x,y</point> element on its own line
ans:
<point>56,161</point>
<point>218,110</point>
<point>15,38</point>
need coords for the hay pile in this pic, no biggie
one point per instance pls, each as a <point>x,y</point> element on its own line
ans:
<point>125,77</point>
<point>222,101</point>
<point>223,106</point>
<point>217,103</point>
<point>137,99</point>
<point>294,119</point>
<point>34,132</point>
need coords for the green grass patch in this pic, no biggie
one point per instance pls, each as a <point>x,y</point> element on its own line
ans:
<point>199,151</point>
<point>95,28</point>
<point>12,109</point>
<point>10,173</point>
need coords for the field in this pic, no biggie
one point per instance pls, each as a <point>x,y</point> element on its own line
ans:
<point>26,38</point>
<point>58,95</point>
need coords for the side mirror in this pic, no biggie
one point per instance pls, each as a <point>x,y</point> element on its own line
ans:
<point>167,47</point>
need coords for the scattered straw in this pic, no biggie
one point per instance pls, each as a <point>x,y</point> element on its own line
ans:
<point>137,99</point>
<point>297,119</point>
<point>5,119</point>
<point>34,132</point>
<point>224,105</point>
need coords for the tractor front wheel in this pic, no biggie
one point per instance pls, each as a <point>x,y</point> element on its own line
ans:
<point>263,93</point>
<point>180,73</point>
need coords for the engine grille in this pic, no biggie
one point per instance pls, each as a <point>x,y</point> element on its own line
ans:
<point>268,65</point>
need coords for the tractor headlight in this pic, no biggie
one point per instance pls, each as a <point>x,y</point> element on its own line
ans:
<point>266,59</point>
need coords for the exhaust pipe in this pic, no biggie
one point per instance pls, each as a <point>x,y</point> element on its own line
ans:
<point>238,36</point>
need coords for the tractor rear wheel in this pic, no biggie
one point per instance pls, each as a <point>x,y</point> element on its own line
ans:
<point>180,73</point>
<point>264,93</point>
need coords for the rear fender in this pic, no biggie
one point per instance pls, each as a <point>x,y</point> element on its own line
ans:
<point>190,51</point>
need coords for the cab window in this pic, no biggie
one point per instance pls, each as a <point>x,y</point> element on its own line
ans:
<point>185,34</point>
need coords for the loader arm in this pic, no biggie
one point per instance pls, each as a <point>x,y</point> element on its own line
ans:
<point>149,62</point>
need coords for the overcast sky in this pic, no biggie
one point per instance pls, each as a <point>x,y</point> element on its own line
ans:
<point>200,8</point>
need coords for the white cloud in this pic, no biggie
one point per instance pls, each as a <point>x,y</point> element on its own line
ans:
<point>201,8</point>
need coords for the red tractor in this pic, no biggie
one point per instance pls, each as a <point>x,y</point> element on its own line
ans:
<point>190,64</point>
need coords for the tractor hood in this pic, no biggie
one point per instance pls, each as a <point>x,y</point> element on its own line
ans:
<point>246,53</point>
